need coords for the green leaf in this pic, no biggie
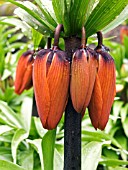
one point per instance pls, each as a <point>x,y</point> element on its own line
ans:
<point>58,9</point>
<point>58,161</point>
<point>91,154</point>
<point>6,138</point>
<point>112,162</point>
<point>62,14</point>
<point>47,10</point>
<point>116,109</point>
<point>118,54</point>
<point>40,130</point>
<point>17,23</point>
<point>26,110</point>
<point>104,13</point>
<point>18,137</point>
<point>99,136</point>
<point>6,74</point>
<point>48,143</point>
<point>5,153</point>
<point>8,117</point>
<point>119,19</point>
<point>16,37</point>
<point>4,165</point>
<point>123,112</point>
<point>33,14</point>
<point>36,38</point>
<point>4,129</point>
<point>26,159</point>
<point>117,168</point>
<point>2,59</point>
<point>37,145</point>
<point>78,14</point>
<point>125,126</point>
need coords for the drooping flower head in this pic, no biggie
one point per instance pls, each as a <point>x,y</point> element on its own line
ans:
<point>104,88</point>
<point>83,73</point>
<point>24,68</point>
<point>51,81</point>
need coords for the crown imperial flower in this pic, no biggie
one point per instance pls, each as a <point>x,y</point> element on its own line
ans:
<point>24,69</point>
<point>89,79</point>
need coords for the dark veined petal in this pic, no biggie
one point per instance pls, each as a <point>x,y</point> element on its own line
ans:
<point>95,105</point>
<point>58,83</point>
<point>40,84</point>
<point>79,79</point>
<point>20,71</point>
<point>107,78</point>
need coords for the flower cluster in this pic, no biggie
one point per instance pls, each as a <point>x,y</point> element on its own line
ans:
<point>89,79</point>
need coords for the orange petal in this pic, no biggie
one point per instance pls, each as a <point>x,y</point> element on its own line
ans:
<point>20,70</point>
<point>107,79</point>
<point>93,66</point>
<point>40,85</point>
<point>58,83</point>
<point>95,105</point>
<point>79,79</point>
<point>27,78</point>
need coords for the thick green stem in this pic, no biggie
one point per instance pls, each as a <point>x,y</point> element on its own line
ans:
<point>72,126</point>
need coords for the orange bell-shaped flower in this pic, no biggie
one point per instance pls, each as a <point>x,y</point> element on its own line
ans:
<point>51,81</point>
<point>104,90</point>
<point>83,72</point>
<point>24,68</point>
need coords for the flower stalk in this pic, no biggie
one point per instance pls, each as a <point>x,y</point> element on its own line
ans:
<point>72,125</point>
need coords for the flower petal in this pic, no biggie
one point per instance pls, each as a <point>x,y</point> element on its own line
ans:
<point>40,85</point>
<point>107,79</point>
<point>79,79</point>
<point>58,83</point>
<point>95,105</point>
<point>93,66</point>
<point>27,78</point>
<point>20,70</point>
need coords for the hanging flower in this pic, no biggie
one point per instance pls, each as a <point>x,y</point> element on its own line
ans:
<point>89,80</point>
<point>104,88</point>
<point>24,68</point>
<point>51,81</point>
<point>83,73</point>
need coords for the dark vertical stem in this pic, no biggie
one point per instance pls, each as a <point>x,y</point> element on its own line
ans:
<point>57,34</point>
<point>100,38</point>
<point>49,41</point>
<point>72,126</point>
<point>34,107</point>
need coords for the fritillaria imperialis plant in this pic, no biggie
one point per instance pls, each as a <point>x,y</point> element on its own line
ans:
<point>89,76</point>
<point>78,77</point>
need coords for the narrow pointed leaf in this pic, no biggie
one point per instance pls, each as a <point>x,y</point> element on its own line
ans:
<point>19,136</point>
<point>106,11</point>
<point>117,21</point>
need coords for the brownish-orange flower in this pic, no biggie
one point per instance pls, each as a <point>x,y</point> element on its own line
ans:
<point>51,81</point>
<point>83,73</point>
<point>104,90</point>
<point>24,68</point>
